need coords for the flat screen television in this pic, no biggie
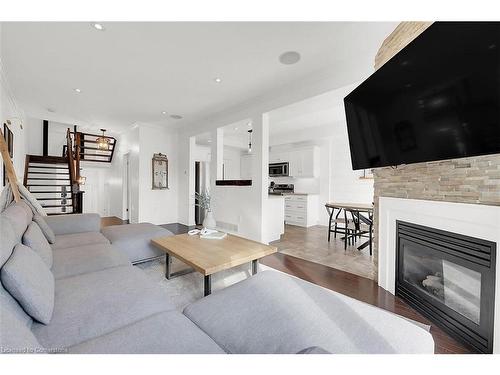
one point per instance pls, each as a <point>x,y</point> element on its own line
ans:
<point>437,99</point>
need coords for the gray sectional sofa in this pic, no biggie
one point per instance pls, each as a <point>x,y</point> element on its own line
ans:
<point>81,294</point>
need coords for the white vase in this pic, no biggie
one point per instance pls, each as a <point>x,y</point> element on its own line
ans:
<point>209,221</point>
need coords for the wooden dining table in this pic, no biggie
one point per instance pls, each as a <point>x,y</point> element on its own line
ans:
<point>359,207</point>
<point>356,209</point>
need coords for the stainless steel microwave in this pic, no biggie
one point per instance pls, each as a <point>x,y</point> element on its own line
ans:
<point>278,169</point>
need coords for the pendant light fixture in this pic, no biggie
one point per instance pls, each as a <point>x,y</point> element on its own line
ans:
<point>103,142</point>
<point>250,141</point>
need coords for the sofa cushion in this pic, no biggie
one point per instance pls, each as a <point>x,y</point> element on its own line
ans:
<point>9,303</point>
<point>19,217</point>
<point>15,337</point>
<point>134,240</point>
<point>8,239</point>
<point>46,230</point>
<point>34,238</point>
<point>163,333</point>
<point>84,259</point>
<point>74,223</point>
<point>257,316</point>
<point>64,241</point>
<point>27,278</point>
<point>93,304</point>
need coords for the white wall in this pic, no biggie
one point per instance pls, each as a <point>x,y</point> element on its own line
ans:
<point>346,183</point>
<point>232,162</point>
<point>10,110</point>
<point>157,206</point>
<point>202,153</point>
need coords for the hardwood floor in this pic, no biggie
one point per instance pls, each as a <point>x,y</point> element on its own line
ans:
<point>349,284</point>
<point>312,244</point>
<point>112,220</point>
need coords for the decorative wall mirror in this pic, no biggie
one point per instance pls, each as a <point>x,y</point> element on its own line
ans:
<point>160,171</point>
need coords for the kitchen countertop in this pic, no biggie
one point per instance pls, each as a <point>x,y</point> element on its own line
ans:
<point>283,194</point>
<point>275,196</point>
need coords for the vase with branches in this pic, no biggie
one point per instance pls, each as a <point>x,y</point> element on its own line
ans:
<point>204,201</point>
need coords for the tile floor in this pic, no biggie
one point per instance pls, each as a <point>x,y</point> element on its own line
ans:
<point>312,244</point>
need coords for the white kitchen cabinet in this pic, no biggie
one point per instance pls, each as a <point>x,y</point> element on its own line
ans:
<point>246,163</point>
<point>301,210</point>
<point>304,162</point>
<point>279,157</point>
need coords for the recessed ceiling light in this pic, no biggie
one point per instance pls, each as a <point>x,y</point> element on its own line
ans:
<point>77,90</point>
<point>163,112</point>
<point>51,110</point>
<point>209,141</point>
<point>249,123</point>
<point>235,128</point>
<point>218,80</point>
<point>98,26</point>
<point>176,117</point>
<point>289,58</point>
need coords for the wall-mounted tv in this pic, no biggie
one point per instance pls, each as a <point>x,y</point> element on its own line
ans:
<point>438,98</point>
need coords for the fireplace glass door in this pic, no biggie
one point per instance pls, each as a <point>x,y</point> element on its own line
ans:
<point>450,278</point>
<point>455,286</point>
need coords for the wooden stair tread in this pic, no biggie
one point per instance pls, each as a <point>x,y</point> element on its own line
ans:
<point>52,173</point>
<point>53,199</point>
<point>56,205</point>
<point>51,191</point>
<point>47,167</point>
<point>47,185</point>
<point>47,159</point>
<point>48,178</point>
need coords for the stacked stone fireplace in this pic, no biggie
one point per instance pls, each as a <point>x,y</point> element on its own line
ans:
<point>461,196</point>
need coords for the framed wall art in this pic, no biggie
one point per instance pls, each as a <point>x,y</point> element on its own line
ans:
<point>160,172</point>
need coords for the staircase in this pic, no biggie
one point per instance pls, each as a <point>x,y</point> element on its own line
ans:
<point>53,181</point>
<point>48,179</point>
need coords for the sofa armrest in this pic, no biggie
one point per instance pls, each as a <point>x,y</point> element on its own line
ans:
<point>74,223</point>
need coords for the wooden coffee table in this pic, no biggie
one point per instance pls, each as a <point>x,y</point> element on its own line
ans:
<point>212,256</point>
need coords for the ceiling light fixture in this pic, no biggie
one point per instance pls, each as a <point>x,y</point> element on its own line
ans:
<point>209,141</point>
<point>250,141</point>
<point>289,57</point>
<point>176,117</point>
<point>103,141</point>
<point>217,80</point>
<point>77,90</point>
<point>98,26</point>
<point>163,112</point>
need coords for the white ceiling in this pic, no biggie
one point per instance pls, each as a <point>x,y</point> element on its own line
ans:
<point>131,72</point>
<point>323,110</point>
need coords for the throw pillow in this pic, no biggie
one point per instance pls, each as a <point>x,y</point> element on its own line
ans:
<point>46,230</point>
<point>34,238</point>
<point>27,278</point>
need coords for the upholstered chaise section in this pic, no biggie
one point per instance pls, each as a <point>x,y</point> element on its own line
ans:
<point>93,304</point>
<point>276,313</point>
<point>134,240</point>
<point>168,333</point>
